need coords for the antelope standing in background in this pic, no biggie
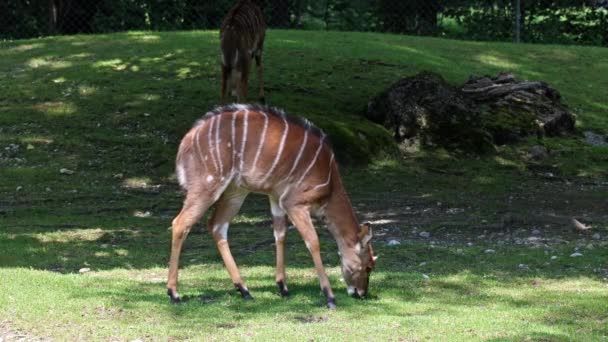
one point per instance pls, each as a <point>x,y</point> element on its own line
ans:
<point>239,149</point>
<point>241,39</point>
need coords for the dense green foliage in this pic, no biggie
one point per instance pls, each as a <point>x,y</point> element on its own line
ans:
<point>547,21</point>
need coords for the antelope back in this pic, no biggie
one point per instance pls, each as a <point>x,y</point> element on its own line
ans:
<point>242,33</point>
<point>258,148</point>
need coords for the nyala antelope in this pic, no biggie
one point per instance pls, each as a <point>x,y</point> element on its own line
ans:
<point>238,149</point>
<point>241,39</point>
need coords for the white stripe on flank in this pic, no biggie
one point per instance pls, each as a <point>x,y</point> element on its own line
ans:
<point>285,192</point>
<point>314,160</point>
<point>197,145</point>
<point>295,163</point>
<point>218,142</point>
<point>328,177</point>
<point>233,146</point>
<point>262,138</point>
<point>244,140</point>
<point>209,134</point>
<point>281,147</point>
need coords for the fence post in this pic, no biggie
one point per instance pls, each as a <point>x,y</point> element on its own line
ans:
<point>517,37</point>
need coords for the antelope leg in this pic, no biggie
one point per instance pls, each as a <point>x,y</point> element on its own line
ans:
<point>192,211</point>
<point>279,225</point>
<point>260,67</point>
<point>300,216</point>
<point>226,208</point>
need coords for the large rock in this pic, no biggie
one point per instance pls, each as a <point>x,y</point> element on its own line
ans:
<point>482,112</point>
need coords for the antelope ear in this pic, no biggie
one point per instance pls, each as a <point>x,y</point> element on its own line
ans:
<point>365,235</point>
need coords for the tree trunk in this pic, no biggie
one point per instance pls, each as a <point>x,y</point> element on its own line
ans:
<point>299,8</point>
<point>52,19</point>
<point>427,17</point>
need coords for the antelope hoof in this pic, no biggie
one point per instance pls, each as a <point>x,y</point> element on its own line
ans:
<point>174,296</point>
<point>331,303</point>
<point>244,292</point>
<point>282,289</point>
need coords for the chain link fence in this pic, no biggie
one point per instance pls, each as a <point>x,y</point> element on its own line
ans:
<point>539,21</point>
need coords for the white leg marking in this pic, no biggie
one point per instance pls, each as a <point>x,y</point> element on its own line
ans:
<point>210,142</point>
<point>244,140</point>
<point>218,142</point>
<point>221,230</point>
<point>279,213</point>
<point>261,144</point>
<point>328,177</point>
<point>302,147</point>
<point>279,152</point>
<point>276,210</point>
<point>350,290</point>
<point>181,174</point>
<point>314,160</point>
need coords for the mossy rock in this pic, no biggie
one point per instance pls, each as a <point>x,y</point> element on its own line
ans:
<point>474,117</point>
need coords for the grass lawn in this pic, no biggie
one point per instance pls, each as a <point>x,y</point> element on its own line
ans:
<point>493,261</point>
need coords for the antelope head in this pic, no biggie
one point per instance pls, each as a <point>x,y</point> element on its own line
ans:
<point>356,270</point>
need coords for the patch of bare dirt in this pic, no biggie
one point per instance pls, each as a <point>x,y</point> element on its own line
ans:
<point>8,333</point>
<point>535,217</point>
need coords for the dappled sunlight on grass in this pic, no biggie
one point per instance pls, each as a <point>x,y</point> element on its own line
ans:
<point>149,97</point>
<point>36,140</point>
<point>244,217</point>
<point>112,63</point>
<point>47,62</point>
<point>70,235</point>
<point>287,41</point>
<point>56,108</point>
<point>59,80</point>
<point>144,37</point>
<point>86,90</point>
<point>25,47</point>
<point>183,73</point>
<point>460,305</point>
<point>509,163</point>
<point>80,55</point>
<point>137,182</point>
<point>484,180</point>
<point>497,61</point>
<point>409,49</point>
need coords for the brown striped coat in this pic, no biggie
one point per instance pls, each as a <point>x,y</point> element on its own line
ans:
<point>241,38</point>
<point>239,149</point>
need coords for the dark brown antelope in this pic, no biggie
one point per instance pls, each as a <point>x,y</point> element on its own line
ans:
<point>241,39</point>
<point>238,149</point>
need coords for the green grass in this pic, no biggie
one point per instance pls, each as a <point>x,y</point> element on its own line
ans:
<point>112,108</point>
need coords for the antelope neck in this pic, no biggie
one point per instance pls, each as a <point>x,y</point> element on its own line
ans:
<point>341,218</point>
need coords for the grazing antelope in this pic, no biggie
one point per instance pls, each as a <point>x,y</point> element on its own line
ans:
<point>241,39</point>
<point>238,149</point>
